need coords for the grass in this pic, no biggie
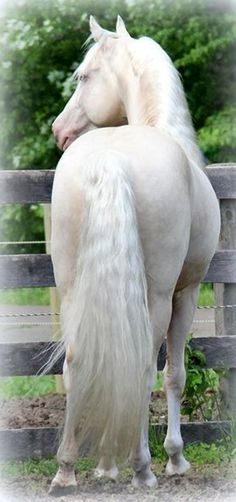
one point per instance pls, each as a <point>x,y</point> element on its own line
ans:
<point>24,296</point>
<point>205,454</point>
<point>27,386</point>
<point>45,467</point>
<point>214,455</point>
<point>218,454</point>
<point>206,295</point>
<point>40,296</point>
<point>159,382</point>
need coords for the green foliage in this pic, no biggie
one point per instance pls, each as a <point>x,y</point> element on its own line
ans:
<point>26,386</point>
<point>218,135</point>
<point>206,295</point>
<point>24,296</point>
<point>41,44</point>
<point>204,454</point>
<point>220,453</point>
<point>200,36</point>
<point>19,223</point>
<point>46,467</point>
<point>201,394</point>
<point>156,445</point>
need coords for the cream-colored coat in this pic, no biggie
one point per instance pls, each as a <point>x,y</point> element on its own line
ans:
<point>135,223</point>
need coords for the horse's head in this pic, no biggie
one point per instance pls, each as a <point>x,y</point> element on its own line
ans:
<point>96,101</point>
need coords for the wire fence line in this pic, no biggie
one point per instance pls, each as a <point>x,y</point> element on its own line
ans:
<point>44,314</point>
<point>20,243</point>
<point>35,324</point>
<point>27,315</point>
<point>16,243</point>
<point>27,324</point>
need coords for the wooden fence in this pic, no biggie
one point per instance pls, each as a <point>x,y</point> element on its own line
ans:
<point>36,271</point>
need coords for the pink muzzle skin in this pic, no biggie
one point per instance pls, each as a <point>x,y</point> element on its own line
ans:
<point>65,136</point>
<point>62,138</point>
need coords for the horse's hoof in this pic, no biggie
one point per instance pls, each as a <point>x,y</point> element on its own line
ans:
<point>144,480</point>
<point>57,490</point>
<point>177,466</point>
<point>103,473</point>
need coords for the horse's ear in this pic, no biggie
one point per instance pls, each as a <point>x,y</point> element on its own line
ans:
<point>120,27</point>
<point>96,30</point>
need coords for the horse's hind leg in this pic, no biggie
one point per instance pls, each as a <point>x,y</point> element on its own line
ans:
<point>184,303</point>
<point>141,460</point>
<point>65,482</point>
<point>106,468</point>
<point>160,313</point>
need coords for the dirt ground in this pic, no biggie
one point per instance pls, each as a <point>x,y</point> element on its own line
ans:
<point>206,485</point>
<point>49,411</point>
<point>199,485</point>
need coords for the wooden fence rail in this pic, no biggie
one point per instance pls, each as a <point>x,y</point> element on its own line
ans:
<point>40,442</point>
<point>24,359</point>
<point>27,270</point>
<point>36,185</point>
<point>36,270</point>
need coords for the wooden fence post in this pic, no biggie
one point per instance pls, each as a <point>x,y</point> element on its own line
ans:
<point>225,294</point>
<point>54,297</point>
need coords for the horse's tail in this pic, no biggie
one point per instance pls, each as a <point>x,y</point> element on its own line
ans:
<point>107,332</point>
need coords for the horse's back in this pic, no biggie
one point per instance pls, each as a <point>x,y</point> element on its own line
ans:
<point>157,167</point>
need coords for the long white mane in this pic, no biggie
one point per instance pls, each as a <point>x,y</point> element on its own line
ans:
<point>164,102</point>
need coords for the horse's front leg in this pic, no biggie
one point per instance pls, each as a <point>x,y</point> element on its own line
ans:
<point>184,303</point>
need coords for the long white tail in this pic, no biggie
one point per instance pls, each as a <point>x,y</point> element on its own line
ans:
<point>106,329</point>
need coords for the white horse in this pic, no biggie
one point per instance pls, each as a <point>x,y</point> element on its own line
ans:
<point>135,223</point>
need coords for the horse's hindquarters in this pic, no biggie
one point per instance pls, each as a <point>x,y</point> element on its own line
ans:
<point>177,211</point>
<point>160,178</point>
<point>205,230</point>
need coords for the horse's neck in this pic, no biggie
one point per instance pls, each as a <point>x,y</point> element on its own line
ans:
<point>156,98</point>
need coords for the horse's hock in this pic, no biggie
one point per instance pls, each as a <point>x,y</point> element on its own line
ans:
<point>20,271</point>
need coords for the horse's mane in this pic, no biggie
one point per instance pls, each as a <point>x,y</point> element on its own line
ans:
<point>164,104</point>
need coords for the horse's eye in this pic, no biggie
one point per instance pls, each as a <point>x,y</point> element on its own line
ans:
<point>82,77</point>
